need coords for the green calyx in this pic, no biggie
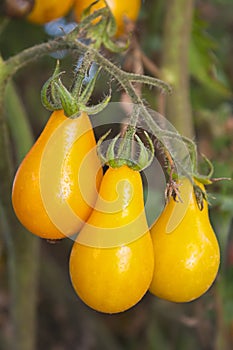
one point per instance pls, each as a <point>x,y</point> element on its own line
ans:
<point>126,150</point>
<point>55,96</point>
<point>103,30</point>
<point>205,179</point>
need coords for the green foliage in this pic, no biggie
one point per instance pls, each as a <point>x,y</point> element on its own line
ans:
<point>204,66</point>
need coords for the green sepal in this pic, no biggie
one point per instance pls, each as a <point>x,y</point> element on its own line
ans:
<point>111,25</point>
<point>210,165</point>
<point>143,154</point>
<point>205,179</point>
<point>96,108</point>
<point>202,179</point>
<point>49,93</point>
<point>146,155</point>
<point>68,102</point>
<point>101,156</point>
<point>111,46</point>
<point>97,31</point>
<point>86,23</point>
<point>87,11</point>
<point>87,92</point>
<point>110,154</point>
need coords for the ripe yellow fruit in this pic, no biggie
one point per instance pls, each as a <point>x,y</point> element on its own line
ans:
<point>50,195</point>
<point>111,263</point>
<point>187,258</point>
<point>46,11</point>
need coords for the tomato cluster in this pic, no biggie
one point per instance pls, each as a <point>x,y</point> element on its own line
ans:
<point>59,189</point>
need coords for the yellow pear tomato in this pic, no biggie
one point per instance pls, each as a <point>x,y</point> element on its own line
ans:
<point>187,257</point>
<point>111,263</point>
<point>50,194</point>
<point>120,9</point>
<point>46,11</point>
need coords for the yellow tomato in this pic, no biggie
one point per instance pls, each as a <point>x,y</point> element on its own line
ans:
<point>46,11</point>
<point>50,194</point>
<point>187,258</point>
<point>120,9</point>
<point>110,273</point>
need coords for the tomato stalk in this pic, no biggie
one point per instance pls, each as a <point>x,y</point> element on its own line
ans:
<point>125,79</point>
<point>177,32</point>
<point>81,73</point>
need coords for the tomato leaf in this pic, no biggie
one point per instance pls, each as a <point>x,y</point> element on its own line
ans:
<point>203,63</point>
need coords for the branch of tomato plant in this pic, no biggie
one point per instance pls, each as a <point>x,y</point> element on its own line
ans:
<point>125,79</point>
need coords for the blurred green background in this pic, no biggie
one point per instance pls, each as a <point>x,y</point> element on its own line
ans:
<point>62,321</point>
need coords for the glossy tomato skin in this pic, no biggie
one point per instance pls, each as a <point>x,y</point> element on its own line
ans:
<point>119,8</point>
<point>46,11</point>
<point>111,276</point>
<point>187,258</point>
<point>49,194</point>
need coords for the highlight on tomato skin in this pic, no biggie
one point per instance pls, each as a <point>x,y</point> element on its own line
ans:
<point>115,278</point>
<point>46,193</point>
<point>120,10</point>
<point>187,258</point>
<point>46,11</point>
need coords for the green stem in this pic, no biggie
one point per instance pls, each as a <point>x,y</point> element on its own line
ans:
<point>80,75</point>
<point>125,79</point>
<point>177,31</point>
<point>69,42</point>
<point>16,62</point>
<point>17,121</point>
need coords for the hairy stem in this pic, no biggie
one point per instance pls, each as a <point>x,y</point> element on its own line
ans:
<point>69,42</point>
<point>16,62</point>
<point>125,79</point>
